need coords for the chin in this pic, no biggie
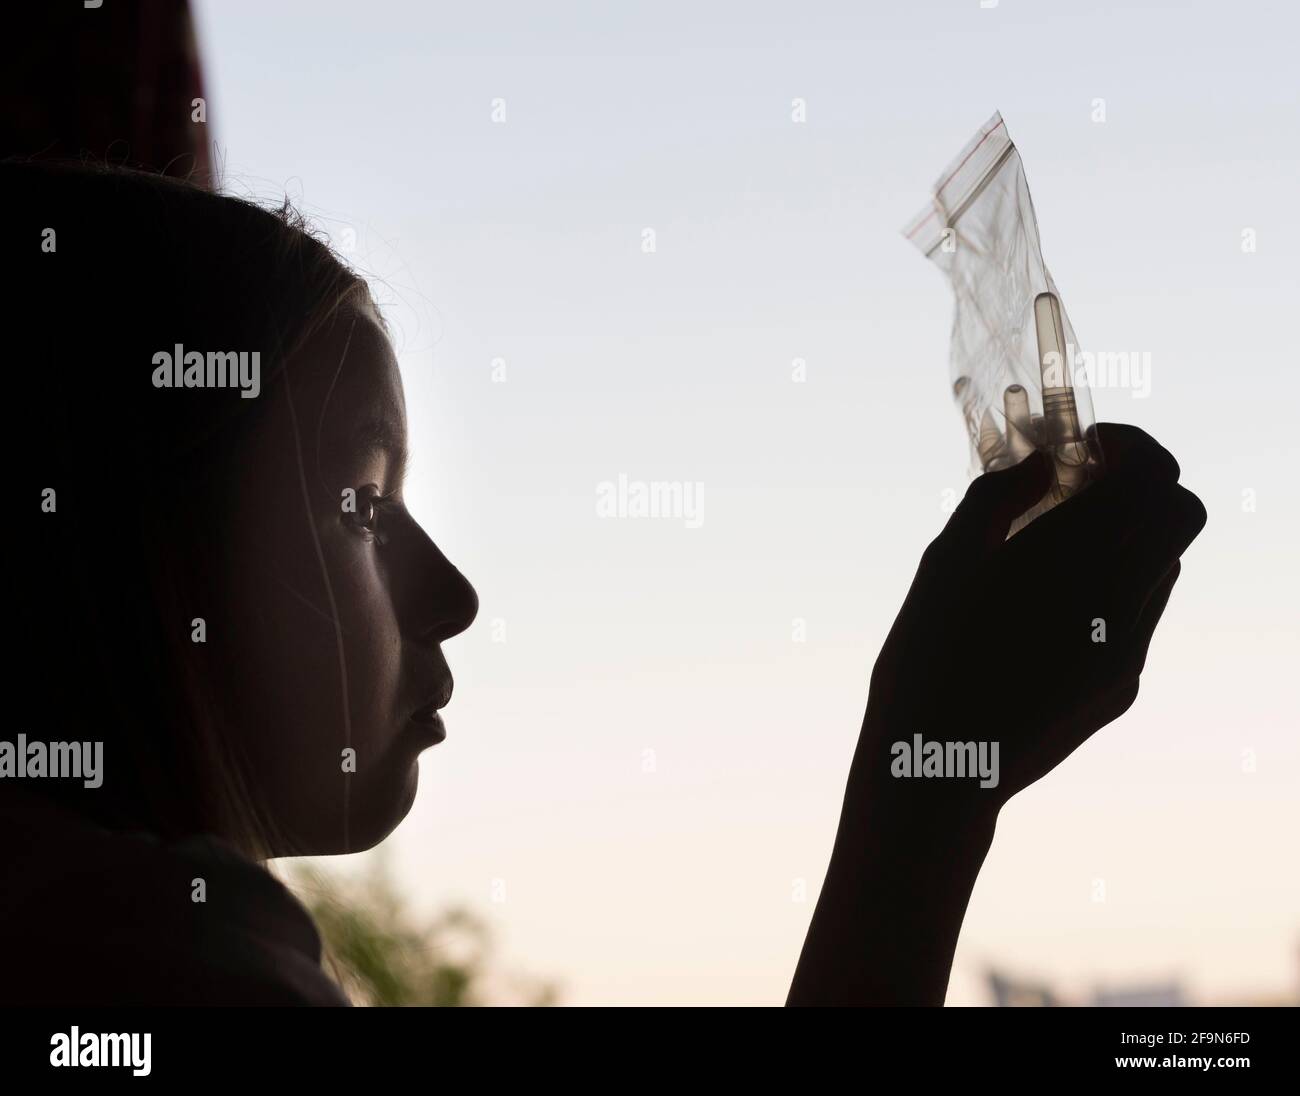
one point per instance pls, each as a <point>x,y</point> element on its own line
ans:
<point>377,808</point>
<point>381,810</point>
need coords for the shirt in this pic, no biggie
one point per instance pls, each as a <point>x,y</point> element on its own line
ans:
<point>93,917</point>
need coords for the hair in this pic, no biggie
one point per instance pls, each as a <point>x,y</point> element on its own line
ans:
<point>114,265</point>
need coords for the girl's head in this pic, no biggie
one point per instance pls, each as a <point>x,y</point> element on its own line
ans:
<point>224,587</point>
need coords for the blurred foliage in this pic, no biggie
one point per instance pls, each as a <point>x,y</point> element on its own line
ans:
<point>381,955</point>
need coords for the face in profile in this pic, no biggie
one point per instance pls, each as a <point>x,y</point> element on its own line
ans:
<point>339,602</point>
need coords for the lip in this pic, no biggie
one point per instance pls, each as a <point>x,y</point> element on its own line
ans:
<point>426,720</point>
<point>427,724</point>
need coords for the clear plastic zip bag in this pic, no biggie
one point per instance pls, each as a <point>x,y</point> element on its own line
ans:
<point>1013,352</point>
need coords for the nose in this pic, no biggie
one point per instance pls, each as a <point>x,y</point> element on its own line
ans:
<point>450,606</point>
<point>434,600</point>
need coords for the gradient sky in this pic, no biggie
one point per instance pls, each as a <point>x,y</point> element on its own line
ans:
<point>776,241</point>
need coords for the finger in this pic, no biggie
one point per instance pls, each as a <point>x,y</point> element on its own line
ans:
<point>1174,522</point>
<point>1092,709</point>
<point>1126,449</point>
<point>1150,617</point>
<point>1104,516</point>
<point>992,502</point>
<point>1134,468</point>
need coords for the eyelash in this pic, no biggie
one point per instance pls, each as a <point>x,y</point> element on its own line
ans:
<point>370,507</point>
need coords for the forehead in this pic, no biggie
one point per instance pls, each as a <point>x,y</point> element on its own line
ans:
<point>353,379</point>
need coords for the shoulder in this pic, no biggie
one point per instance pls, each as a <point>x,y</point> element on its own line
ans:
<point>90,917</point>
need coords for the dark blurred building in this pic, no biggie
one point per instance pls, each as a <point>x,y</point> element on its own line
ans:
<point>1163,995</point>
<point>1016,993</point>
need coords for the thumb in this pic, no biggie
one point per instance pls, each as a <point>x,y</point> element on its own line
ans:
<point>994,500</point>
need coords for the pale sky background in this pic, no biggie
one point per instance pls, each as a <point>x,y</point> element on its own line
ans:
<point>776,241</point>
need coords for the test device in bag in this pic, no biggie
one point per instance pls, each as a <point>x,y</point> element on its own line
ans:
<point>1013,353</point>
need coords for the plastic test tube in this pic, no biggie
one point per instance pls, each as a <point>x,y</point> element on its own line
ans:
<point>1061,432</point>
<point>1020,427</point>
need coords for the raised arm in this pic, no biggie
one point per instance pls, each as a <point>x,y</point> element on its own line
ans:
<point>1005,657</point>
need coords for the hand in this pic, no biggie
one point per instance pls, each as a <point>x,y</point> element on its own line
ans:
<point>998,641</point>
<point>1034,642</point>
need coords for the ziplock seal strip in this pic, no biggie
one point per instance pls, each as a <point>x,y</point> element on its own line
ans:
<point>961,183</point>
